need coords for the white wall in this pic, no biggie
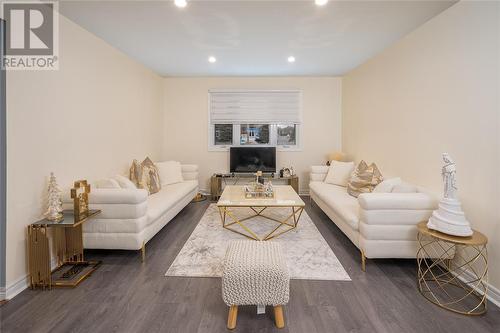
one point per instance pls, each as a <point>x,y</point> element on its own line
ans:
<point>436,90</point>
<point>87,120</point>
<point>186,121</point>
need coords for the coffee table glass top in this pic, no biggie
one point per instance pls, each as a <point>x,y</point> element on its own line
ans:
<point>284,196</point>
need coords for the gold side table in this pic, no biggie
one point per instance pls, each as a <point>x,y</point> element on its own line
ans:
<point>453,271</point>
<point>68,245</point>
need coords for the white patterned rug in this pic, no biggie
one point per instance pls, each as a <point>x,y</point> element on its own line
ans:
<point>308,255</point>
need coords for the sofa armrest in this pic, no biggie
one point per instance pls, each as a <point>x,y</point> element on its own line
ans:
<point>414,201</point>
<point>189,171</point>
<point>318,173</point>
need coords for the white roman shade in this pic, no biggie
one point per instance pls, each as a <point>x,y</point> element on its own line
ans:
<point>255,107</point>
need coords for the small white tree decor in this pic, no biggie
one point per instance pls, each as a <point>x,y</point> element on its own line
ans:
<point>54,206</point>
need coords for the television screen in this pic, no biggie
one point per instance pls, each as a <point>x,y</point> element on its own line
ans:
<point>252,159</point>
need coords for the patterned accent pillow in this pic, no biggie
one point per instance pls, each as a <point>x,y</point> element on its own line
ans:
<point>145,175</point>
<point>364,179</point>
<point>154,175</point>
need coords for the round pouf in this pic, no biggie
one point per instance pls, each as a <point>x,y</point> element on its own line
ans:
<point>255,273</point>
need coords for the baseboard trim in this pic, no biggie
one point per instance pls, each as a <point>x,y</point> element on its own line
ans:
<point>492,294</point>
<point>17,287</point>
<point>22,283</point>
<point>2,294</point>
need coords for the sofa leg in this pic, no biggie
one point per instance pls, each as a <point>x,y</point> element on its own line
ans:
<point>143,252</point>
<point>232,316</point>
<point>363,261</point>
<point>279,321</point>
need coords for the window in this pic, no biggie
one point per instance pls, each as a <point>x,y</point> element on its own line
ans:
<point>250,117</point>
<point>254,134</point>
<point>223,134</point>
<point>286,135</point>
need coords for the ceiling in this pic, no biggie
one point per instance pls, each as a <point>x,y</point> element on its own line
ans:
<point>251,38</point>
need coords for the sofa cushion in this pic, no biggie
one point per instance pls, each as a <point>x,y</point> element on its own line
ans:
<point>404,188</point>
<point>337,198</point>
<point>170,172</point>
<point>107,183</point>
<point>378,201</point>
<point>159,203</point>
<point>387,185</point>
<point>125,182</point>
<point>339,173</point>
<point>115,225</point>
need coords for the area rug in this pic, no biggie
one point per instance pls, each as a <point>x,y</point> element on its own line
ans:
<point>308,255</point>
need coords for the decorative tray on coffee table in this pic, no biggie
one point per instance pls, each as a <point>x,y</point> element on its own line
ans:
<point>256,190</point>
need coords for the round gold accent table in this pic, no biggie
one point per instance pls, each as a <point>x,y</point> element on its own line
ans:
<point>453,271</point>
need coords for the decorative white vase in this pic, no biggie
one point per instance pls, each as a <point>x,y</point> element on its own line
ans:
<point>450,219</point>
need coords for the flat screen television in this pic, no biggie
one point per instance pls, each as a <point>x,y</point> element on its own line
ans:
<point>252,159</point>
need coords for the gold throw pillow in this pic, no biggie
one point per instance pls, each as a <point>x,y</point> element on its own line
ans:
<point>145,175</point>
<point>364,179</point>
<point>154,184</point>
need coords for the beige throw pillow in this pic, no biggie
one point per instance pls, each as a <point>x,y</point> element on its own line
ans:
<point>387,185</point>
<point>125,183</point>
<point>404,188</point>
<point>339,173</point>
<point>364,179</point>
<point>145,175</point>
<point>170,172</point>
<point>154,175</point>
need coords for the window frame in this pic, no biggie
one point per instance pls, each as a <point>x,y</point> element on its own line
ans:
<point>273,128</point>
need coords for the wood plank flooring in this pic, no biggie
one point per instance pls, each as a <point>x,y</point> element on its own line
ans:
<point>124,295</point>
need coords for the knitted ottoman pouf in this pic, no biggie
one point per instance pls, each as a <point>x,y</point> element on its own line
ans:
<point>255,273</point>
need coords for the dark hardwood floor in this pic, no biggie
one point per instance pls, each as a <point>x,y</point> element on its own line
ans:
<point>125,295</point>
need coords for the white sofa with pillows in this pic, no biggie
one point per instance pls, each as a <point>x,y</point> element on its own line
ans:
<point>382,224</point>
<point>130,216</point>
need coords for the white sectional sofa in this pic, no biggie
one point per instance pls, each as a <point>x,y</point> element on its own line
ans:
<point>381,225</point>
<point>130,218</point>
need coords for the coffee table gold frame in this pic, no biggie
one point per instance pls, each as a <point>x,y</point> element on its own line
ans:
<point>225,212</point>
<point>453,271</point>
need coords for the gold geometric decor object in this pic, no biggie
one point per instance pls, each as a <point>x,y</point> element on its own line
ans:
<point>199,197</point>
<point>453,271</point>
<point>80,196</point>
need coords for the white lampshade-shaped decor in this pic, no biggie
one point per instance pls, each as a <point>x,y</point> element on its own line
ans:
<point>335,156</point>
<point>449,217</point>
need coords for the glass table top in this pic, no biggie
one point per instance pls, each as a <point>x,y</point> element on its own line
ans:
<point>68,219</point>
<point>284,196</point>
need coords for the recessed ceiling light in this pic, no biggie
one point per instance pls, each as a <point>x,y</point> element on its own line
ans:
<point>320,2</point>
<point>212,59</point>
<point>291,59</point>
<point>180,3</point>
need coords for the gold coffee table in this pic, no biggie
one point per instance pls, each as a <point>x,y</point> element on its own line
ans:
<point>284,197</point>
<point>453,271</point>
